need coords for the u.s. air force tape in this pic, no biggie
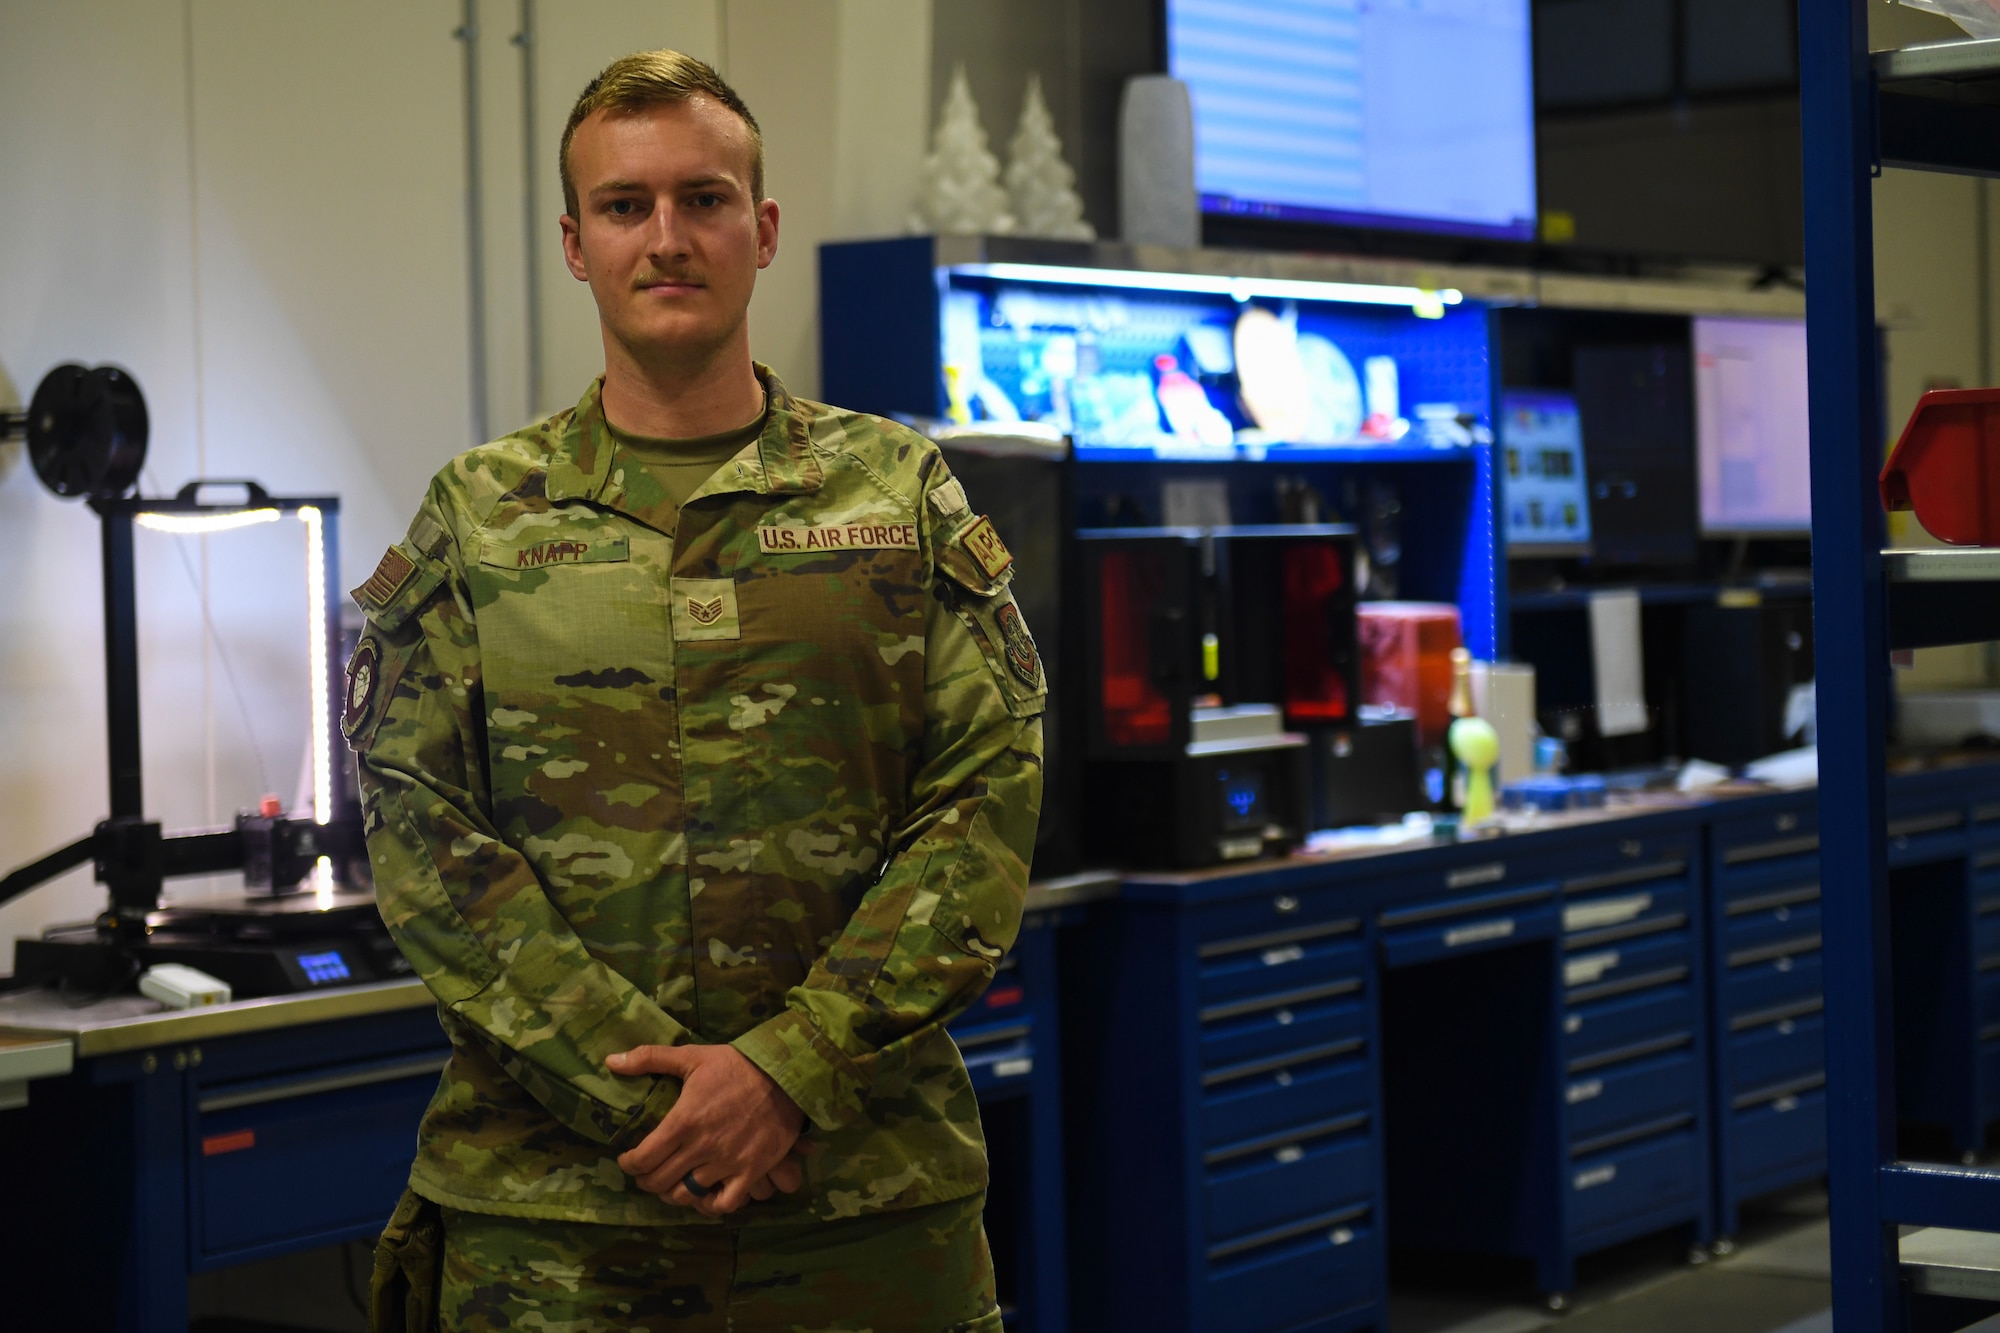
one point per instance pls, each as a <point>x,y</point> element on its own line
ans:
<point>864,535</point>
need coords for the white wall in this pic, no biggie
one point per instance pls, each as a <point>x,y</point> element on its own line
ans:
<point>258,208</point>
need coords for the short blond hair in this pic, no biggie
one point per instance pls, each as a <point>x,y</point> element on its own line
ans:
<point>656,78</point>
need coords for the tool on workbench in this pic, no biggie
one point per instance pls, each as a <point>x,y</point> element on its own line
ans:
<point>86,432</point>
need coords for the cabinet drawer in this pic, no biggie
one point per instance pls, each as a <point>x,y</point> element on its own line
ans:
<point>1426,933</point>
<point>1754,839</point>
<point>284,1160</point>
<point>1773,921</point>
<point>1785,1137</point>
<point>1278,913</point>
<point>1591,973</point>
<point>1989,1004</point>
<point>1603,1101</point>
<point>1773,1053</point>
<point>1594,1033</point>
<point>1278,962</point>
<point>1625,913</point>
<point>1772,982</point>
<point>1306,1272</point>
<point>1756,878</point>
<point>1986,936</point>
<point>1269,1186</point>
<point>1633,1181</point>
<point>1282,1095</point>
<point>1284,1027</point>
<point>1935,835</point>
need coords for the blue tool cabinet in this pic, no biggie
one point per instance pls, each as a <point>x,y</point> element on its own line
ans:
<point>1768,1002</point>
<point>1490,1047</point>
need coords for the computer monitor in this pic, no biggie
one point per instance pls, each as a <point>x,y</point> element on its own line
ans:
<point>1750,426</point>
<point>1407,114</point>
<point>1544,488</point>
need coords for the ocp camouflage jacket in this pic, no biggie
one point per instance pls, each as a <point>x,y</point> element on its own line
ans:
<point>765,770</point>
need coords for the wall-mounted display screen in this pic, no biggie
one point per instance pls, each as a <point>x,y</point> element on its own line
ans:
<point>1184,367</point>
<point>1546,493</point>
<point>1750,426</point>
<point>1408,114</point>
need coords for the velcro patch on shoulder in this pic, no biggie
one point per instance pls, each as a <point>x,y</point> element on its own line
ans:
<point>949,499</point>
<point>390,575</point>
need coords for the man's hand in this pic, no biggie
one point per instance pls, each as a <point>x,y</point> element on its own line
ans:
<point>733,1129</point>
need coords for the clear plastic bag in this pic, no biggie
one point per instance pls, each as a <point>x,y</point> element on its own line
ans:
<point>1980,18</point>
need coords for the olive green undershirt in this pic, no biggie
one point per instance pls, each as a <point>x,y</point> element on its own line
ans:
<point>679,467</point>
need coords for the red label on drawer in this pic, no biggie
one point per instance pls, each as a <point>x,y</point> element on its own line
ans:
<point>216,1144</point>
<point>1003,996</point>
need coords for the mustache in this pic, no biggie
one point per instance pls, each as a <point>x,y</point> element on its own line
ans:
<point>678,276</point>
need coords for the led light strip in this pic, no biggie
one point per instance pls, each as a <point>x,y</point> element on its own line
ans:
<point>1422,300</point>
<point>190,524</point>
<point>322,756</point>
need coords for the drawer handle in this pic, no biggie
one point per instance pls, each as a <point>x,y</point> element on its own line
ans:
<point>1597,1175</point>
<point>1272,939</point>
<point>1284,904</point>
<point>1591,967</point>
<point>1291,953</point>
<point>1606,912</point>
<point>1587,1090</point>
<point>1014,1068</point>
<point>1284,1000</point>
<point>1785,823</point>
<point>1766,851</point>
<point>1784,1104</point>
<point>306,1087</point>
<point>1340,1235</point>
<point>1479,932</point>
<point>1470,876</point>
<point>1286,1138</point>
<point>1291,1152</point>
<point>1630,875</point>
<point>1326,1222</point>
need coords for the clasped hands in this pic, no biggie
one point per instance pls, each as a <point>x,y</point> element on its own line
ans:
<point>733,1129</point>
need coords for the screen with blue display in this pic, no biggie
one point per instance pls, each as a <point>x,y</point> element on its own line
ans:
<point>323,969</point>
<point>1242,799</point>
<point>1209,375</point>
<point>1547,495</point>
<point>1408,114</point>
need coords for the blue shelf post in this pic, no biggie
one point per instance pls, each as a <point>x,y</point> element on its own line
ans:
<point>1837,106</point>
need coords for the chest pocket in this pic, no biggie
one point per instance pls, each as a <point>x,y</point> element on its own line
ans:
<point>571,614</point>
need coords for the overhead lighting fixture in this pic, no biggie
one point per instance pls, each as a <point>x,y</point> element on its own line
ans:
<point>225,521</point>
<point>1424,301</point>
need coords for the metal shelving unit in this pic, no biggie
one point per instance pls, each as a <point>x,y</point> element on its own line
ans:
<point>1937,108</point>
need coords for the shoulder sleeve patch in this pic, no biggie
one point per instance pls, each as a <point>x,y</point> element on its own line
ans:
<point>388,579</point>
<point>984,545</point>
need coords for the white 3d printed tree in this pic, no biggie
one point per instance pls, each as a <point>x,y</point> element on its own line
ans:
<point>959,192</point>
<point>1040,183</point>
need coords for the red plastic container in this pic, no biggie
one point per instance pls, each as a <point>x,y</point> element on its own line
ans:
<point>1946,467</point>
<point>1406,660</point>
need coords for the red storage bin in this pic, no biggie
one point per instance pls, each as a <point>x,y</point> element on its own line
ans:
<point>1406,660</point>
<point>1946,466</point>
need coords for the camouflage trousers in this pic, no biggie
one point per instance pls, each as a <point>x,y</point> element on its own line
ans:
<point>916,1270</point>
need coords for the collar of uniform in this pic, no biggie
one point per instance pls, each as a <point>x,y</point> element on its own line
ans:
<point>779,461</point>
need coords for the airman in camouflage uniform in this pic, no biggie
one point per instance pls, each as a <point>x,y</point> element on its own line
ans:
<point>764,771</point>
<point>761,768</point>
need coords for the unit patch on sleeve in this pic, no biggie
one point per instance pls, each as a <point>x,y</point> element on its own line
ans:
<point>387,580</point>
<point>868,534</point>
<point>1022,659</point>
<point>986,547</point>
<point>362,673</point>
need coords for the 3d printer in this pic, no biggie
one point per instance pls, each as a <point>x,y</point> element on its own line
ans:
<point>305,920</point>
<point>1207,649</point>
